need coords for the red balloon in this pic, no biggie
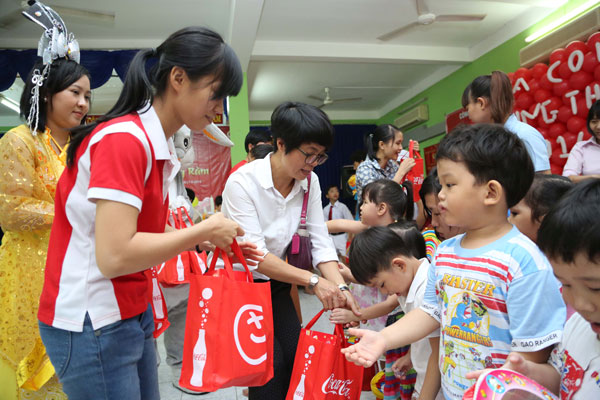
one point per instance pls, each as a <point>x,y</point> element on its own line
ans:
<point>523,73</point>
<point>580,79</point>
<point>544,132</point>
<point>557,55</point>
<point>511,76</point>
<point>558,162</point>
<point>534,86</point>
<point>545,83</point>
<point>539,122</point>
<point>539,70</point>
<point>576,124</point>
<point>541,95</point>
<point>564,71</point>
<point>555,103</point>
<point>556,129</point>
<point>592,40</point>
<point>524,100</point>
<point>564,113</point>
<point>590,61</point>
<point>575,45</point>
<point>597,73</point>
<point>570,140</point>
<point>555,169</point>
<point>582,110</point>
<point>561,88</point>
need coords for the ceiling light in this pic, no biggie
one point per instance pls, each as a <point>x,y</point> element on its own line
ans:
<point>562,20</point>
<point>10,104</point>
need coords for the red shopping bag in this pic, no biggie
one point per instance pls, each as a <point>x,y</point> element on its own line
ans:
<point>415,175</point>
<point>228,330</point>
<point>178,269</point>
<point>321,372</point>
<point>157,300</point>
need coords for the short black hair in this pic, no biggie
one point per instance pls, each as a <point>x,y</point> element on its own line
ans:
<point>257,136</point>
<point>490,152</point>
<point>260,151</point>
<point>431,185</point>
<point>399,198</point>
<point>190,194</point>
<point>572,226</point>
<point>63,73</point>
<point>373,250</point>
<point>545,191</point>
<point>218,200</point>
<point>409,232</point>
<point>358,156</point>
<point>298,123</point>
<point>332,186</point>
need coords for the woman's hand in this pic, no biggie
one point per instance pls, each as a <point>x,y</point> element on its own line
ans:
<point>366,352</point>
<point>252,255</point>
<point>222,231</point>
<point>342,316</point>
<point>329,294</point>
<point>402,365</point>
<point>405,166</point>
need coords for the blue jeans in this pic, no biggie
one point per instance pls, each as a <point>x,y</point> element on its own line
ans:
<point>117,361</point>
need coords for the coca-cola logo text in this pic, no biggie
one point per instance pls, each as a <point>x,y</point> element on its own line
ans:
<point>339,387</point>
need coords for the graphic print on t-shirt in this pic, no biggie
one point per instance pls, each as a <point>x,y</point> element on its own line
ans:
<point>466,339</point>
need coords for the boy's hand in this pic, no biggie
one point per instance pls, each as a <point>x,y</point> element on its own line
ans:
<point>515,362</point>
<point>342,316</point>
<point>345,272</point>
<point>402,365</point>
<point>366,352</point>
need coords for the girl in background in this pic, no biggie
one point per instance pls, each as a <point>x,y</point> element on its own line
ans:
<point>489,99</point>
<point>55,99</point>
<point>584,157</point>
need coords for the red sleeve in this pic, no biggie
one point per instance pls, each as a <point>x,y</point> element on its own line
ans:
<point>118,162</point>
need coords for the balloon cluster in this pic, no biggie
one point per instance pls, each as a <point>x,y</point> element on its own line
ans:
<point>555,98</point>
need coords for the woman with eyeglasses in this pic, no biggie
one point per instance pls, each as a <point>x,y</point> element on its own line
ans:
<point>265,199</point>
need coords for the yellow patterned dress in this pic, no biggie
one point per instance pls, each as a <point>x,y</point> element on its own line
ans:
<point>29,171</point>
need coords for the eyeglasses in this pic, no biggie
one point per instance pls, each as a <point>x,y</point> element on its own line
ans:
<point>312,158</point>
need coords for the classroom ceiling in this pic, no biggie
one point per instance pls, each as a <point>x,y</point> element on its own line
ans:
<point>294,49</point>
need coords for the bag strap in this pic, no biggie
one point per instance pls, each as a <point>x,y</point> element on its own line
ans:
<point>411,150</point>
<point>235,247</point>
<point>338,331</point>
<point>305,204</point>
<point>314,320</point>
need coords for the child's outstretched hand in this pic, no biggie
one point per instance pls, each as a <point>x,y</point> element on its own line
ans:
<point>366,352</point>
<point>342,316</point>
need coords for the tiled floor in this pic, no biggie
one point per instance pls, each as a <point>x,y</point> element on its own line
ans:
<point>310,306</point>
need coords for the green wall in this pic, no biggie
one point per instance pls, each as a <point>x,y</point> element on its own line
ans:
<point>444,96</point>
<point>239,122</point>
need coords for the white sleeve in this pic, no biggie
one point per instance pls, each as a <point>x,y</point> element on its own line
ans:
<point>346,212</point>
<point>238,206</point>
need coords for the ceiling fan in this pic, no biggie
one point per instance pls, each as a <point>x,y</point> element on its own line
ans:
<point>327,100</point>
<point>13,16</point>
<point>425,17</point>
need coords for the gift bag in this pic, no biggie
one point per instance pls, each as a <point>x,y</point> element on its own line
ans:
<point>415,175</point>
<point>157,300</point>
<point>321,372</point>
<point>506,384</point>
<point>177,270</point>
<point>228,330</point>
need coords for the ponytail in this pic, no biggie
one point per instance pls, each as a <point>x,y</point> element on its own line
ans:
<point>497,89</point>
<point>502,99</point>
<point>409,212</point>
<point>199,51</point>
<point>383,133</point>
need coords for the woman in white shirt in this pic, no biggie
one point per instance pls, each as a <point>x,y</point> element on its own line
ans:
<point>265,198</point>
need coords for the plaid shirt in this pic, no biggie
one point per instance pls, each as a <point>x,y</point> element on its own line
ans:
<point>370,170</point>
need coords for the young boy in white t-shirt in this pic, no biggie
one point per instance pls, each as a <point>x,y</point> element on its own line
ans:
<point>395,262</point>
<point>570,236</point>
<point>337,210</point>
<point>490,290</point>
